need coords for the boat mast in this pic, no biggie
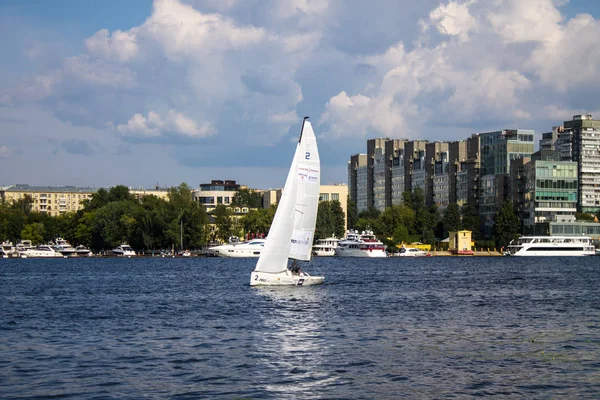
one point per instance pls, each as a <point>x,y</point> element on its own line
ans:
<point>302,129</point>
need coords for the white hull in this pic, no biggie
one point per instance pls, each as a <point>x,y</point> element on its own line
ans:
<point>40,254</point>
<point>376,253</point>
<point>252,248</point>
<point>236,253</point>
<point>323,253</point>
<point>555,246</point>
<point>285,278</point>
<point>124,254</point>
<point>562,253</point>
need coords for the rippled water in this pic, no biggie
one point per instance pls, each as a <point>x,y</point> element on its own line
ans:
<point>382,328</point>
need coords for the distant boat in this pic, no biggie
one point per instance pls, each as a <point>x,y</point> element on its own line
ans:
<point>251,248</point>
<point>364,245</point>
<point>552,246</point>
<point>325,247</point>
<point>411,252</point>
<point>43,251</point>
<point>292,231</point>
<point>63,247</point>
<point>7,250</point>
<point>124,250</point>
<point>82,251</point>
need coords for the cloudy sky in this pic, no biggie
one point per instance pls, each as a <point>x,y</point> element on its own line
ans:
<point>106,92</point>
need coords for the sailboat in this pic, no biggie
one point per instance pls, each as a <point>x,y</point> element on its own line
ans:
<point>291,233</point>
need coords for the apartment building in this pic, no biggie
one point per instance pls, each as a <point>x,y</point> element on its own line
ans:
<point>215,193</point>
<point>51,200</point>
<point>584,132</point>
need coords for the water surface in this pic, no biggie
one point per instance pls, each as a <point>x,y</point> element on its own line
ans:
<point>382,328</point>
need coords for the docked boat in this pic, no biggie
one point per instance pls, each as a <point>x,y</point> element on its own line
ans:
<point>7,250</point>
<point>43,251</point>
<point>251,248</point>
<point>63,247</point>
<point>411,252</point>
<point>325,247</point>
<point>363,245</point>
<point>24,245</point>
<point>82,251</point>
<point>551,246</point>
<point>123,250</point>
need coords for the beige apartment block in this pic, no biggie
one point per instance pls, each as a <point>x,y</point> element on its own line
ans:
<point>338,192</point>
<point>160,193</point>
<point>52,200</point>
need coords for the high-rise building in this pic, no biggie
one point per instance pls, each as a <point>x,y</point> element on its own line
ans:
<point>357,183</point>
<point>585,151</point>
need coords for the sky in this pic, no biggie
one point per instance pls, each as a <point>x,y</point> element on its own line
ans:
<point>139,92</point>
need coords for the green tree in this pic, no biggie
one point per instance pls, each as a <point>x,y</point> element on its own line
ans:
<point>259,220</point>
<point>451,220</point>
<point>401,234</point>
<point>506,225</point>
<point>23,205</point>
<point>470,221</point>
<point>247,198</point>
<point>224,222</point>
<point>337,213</point>
<point>325,226</point>
<point>33,232</point>
<point>580,216</point>
<point>352,213</point>
<point>394,217</point>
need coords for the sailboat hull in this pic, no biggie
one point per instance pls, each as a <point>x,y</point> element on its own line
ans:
<point>285,278</point>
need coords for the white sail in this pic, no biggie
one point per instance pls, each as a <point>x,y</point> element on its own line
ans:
<point>293,226</point>
<point>307,196</point>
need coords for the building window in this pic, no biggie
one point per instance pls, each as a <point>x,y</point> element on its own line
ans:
<point>324,197</point>
<point>335,196</point>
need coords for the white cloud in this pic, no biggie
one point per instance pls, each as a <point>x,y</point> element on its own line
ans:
<point>120,46</point>
<point>454,19</point>
<point>154,126</point>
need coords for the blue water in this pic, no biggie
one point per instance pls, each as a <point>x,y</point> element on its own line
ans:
<point>383,328</point>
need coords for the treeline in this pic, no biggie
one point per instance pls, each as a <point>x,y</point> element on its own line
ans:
<point>112,217</point>
<point>115,216</point>
<point>412,221</point>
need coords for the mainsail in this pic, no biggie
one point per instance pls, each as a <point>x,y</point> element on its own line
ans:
<point>291,233</point>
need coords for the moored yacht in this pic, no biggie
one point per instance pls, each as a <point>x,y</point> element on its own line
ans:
<point>43,251</point>
<point>251,248</point>
<point>364,245</point>
<point>123,250</point>
<point>63,247</point>
<point>325,247</point>
<point>82,251</point>
<point>7,250</point>
<point>411,252</point>
<point>551,246</point>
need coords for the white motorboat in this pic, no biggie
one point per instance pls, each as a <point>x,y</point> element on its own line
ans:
<point>43,251</point>
<point>7,250</point>
<point>293,228</point>
<point>552,246</point>
<point>24,245</point>
<point>82,251</point>
<point>123,250</point>
<point>325,247</point>
<point>411,252</point>
<point>251,248</point>
<point>364,245</point>
<point>323,250</point>
<point>63,247</point>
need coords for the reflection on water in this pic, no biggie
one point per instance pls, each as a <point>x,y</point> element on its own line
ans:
<point>289,342</point>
